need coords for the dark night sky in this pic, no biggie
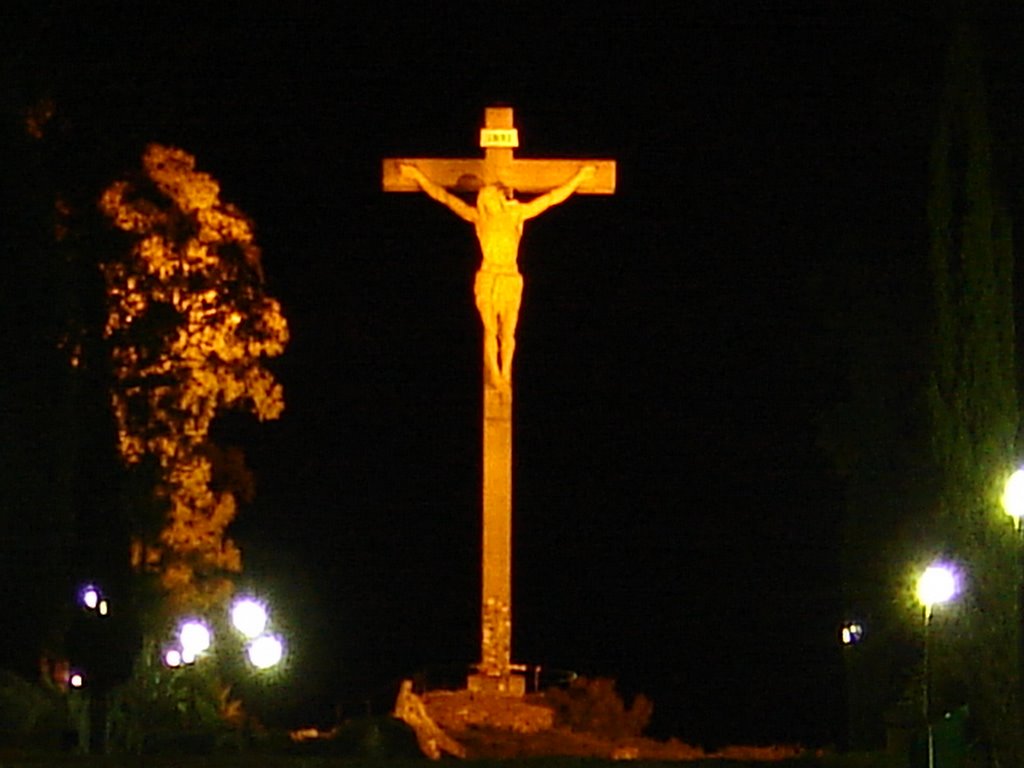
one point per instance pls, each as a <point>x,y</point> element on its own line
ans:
<point>676,525</point>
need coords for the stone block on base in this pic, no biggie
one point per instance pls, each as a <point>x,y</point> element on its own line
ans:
<point>494,685</point>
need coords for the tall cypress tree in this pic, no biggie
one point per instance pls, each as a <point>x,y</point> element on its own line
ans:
<point>925,442</point>
<point>972,406</point>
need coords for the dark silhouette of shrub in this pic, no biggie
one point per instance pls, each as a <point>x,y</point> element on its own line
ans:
<point>592,705</point>
<point>29,713</point>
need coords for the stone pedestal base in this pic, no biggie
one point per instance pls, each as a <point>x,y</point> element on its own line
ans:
<point>510,685</point>
<point>459,712</point>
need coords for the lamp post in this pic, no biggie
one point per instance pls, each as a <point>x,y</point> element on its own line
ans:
<point>851,633</point>
<point>265,651</point>
<point>195,638</point>
<point>1013,505</point>
<point>936,585</point>
<point>249,616</point>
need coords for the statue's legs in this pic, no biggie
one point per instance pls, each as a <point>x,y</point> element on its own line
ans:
<point>508,346</point>
<point>491,353</point>
<point>507,339</point>
<point>498,296</point>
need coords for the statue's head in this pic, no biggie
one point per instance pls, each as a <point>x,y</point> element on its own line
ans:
<point>493,196</point>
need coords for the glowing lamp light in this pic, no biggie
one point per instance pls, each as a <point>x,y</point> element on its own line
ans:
<point>937,585</point>
<point>851,633</point>
<point>1013,496</point>
<point>249,617</point>
<point>172,658</point>
<point>103,607</point>
<point>195,638</point>
<point>90,597</point>
<point>265,652</point>
<point>76,680</point>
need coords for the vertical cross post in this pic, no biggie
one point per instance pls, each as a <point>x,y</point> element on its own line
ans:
<point>495,669</point>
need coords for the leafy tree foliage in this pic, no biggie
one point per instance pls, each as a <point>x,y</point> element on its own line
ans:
<point>190,327</point>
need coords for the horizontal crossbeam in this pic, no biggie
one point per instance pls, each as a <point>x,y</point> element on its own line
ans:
<point>530,176</point>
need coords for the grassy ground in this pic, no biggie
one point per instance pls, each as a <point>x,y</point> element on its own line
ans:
<point>28,759</point>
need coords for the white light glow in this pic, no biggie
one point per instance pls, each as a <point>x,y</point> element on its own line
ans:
<point>194,637</point>
<point>90,597</point>
<point>76,680</point>
<point>1013,496</point>
<point>265,652</point>
<point>172,658</point>
<point>249,617</point>
<point>851,633</point>
<point>937,585</point>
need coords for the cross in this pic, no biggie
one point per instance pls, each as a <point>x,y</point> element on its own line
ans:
<point>553,180</point>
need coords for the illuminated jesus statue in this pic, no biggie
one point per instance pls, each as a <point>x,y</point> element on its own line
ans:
<point>498,288</point>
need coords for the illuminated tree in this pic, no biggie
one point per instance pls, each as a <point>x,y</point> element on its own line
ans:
<point>190,327</point>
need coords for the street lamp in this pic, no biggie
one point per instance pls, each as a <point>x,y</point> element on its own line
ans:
<point>265,651</point>
<point>90,597</point>
<point>195,638</point>
<point>937,585</point>
<point>249,616</point>
<point>1013,505</point>
<point>93,600</point>
<point>850,633</point>
<point>172,658</point>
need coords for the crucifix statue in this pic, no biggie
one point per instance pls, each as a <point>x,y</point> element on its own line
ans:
<point>498,288</point>
<point>498,218</point>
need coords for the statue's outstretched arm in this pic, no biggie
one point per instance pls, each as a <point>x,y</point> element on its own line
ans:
<point>540,204</point>
<point>439,193</point>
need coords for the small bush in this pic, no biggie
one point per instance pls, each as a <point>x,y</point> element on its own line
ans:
<point>29,713</point>
<point>592,705</point>
<point>161,710</point>
<point>371,737</point>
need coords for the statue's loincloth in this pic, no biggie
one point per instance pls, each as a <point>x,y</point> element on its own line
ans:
<point>498,292</point>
